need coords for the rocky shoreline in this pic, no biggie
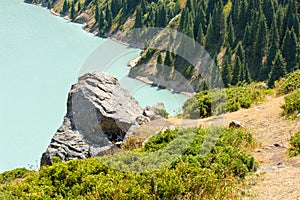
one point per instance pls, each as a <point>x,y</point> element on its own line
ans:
<point>145,78</point>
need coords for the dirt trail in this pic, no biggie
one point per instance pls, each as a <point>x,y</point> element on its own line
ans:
<point>278,174</point>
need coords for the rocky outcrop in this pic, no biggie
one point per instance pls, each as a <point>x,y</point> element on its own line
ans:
<point>155,112</point>
<point>100,114</point>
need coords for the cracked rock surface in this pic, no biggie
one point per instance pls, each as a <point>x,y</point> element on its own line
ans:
<point>99,114</point>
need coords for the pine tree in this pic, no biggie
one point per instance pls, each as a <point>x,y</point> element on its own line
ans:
<point>278,69</point>
<point>138,20</point>
<point>79,7</point>
<point>65,8</point>
<point>231,36</point>
<point>96,12</point>
<point>236,71</point>
<point>227,67</point>
<point>260,47</point>
<point>269,11</point>
<point>200,36</point>
<point>289,49</point>
<point>274,37</point>
<point>108,17</point>
<point>72,13</point>
<point>169,61</point>
<point>215,28</point>
<point>101,24</point>
<point>159,64</point>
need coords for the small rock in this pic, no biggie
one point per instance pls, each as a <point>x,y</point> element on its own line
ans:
<point>153,112</point>
<point>258,150</point>
<point>298,115</point>
<point>259,108</point>
<point>277,145</point>
<point>280,165</point>
<point>235,124</point>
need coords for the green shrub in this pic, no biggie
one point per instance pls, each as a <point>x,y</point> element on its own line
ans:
<point>291,106</point>
<point>288,84</point>
<point>214,175</point>
<point>294,150</point>
<point>163,113</point>
<point>217,101</point>
<point>12,175</point>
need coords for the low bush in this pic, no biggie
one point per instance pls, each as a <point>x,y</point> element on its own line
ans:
<point>218,101</point>
<point>12,175</point>
<point>192,175</point>
<point>294,150</point>
<point>291,106</point>
<point>288,84</point>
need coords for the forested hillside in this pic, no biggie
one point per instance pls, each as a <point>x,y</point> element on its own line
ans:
<point>251,40</point>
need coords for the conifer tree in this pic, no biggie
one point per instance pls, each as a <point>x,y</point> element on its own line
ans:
<point>227,67</point>
<point>96,12</point>
<point>200,36</point>
<point>278,69</point>
<point>236,71</point>
<point>289,49</point>
<point>108,17</point>
<point>159,64</point>
<point>169,61</point>
<point>138,19</point>
<point>72,13</point>
<point>274,37</point>
<point>231,36</point>
<point>260,46</point>
<point>65,7</point>
<point>101,24</point>
<point>269,11</point>
<point>79,7</point>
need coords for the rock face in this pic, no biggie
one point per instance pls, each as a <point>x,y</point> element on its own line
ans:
<point>235,124</point>
<point>99,114</point>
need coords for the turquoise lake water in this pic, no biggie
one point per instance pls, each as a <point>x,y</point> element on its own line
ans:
<point>41,56</point>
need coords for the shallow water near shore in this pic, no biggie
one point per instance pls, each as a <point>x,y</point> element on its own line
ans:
<point>40,58</point>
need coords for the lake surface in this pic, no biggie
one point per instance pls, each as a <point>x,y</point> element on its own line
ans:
<point>41,56</point>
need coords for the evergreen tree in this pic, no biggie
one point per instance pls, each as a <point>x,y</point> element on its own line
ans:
<point>227,67</point>
<point>200,36</point>
<point>236,71</point>
<point>72,13</point>
<point>65,8</point>
<point>214,31</point>
<point>260,47</point>
<point>108,17</point>
<point>96,12</point>
<point>159,64</point>
<point>278,69</point>
<point>138,19</point>
<point>231,36</point>
<point>169,61</point>
<point>289,49</point>
<point>269,11</point>
<point>101,24</point>
<point>79,7</point>
<point>274,37</point>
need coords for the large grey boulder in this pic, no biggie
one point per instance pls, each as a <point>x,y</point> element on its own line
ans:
<point>99,114</point>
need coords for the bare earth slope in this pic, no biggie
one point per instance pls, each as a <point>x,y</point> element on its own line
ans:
<point>278,174</point>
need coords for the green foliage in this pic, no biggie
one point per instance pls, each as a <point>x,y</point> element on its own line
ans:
<point>12,175</point>
<point>214,175</point>
<point>288,84</point>
<point>263,28</point>
<point>205,103</point>
<point>278,69</point>
<point>291,106</point>
<point>294,150</point>
<point>160,140</point>
<point>163,113</point>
